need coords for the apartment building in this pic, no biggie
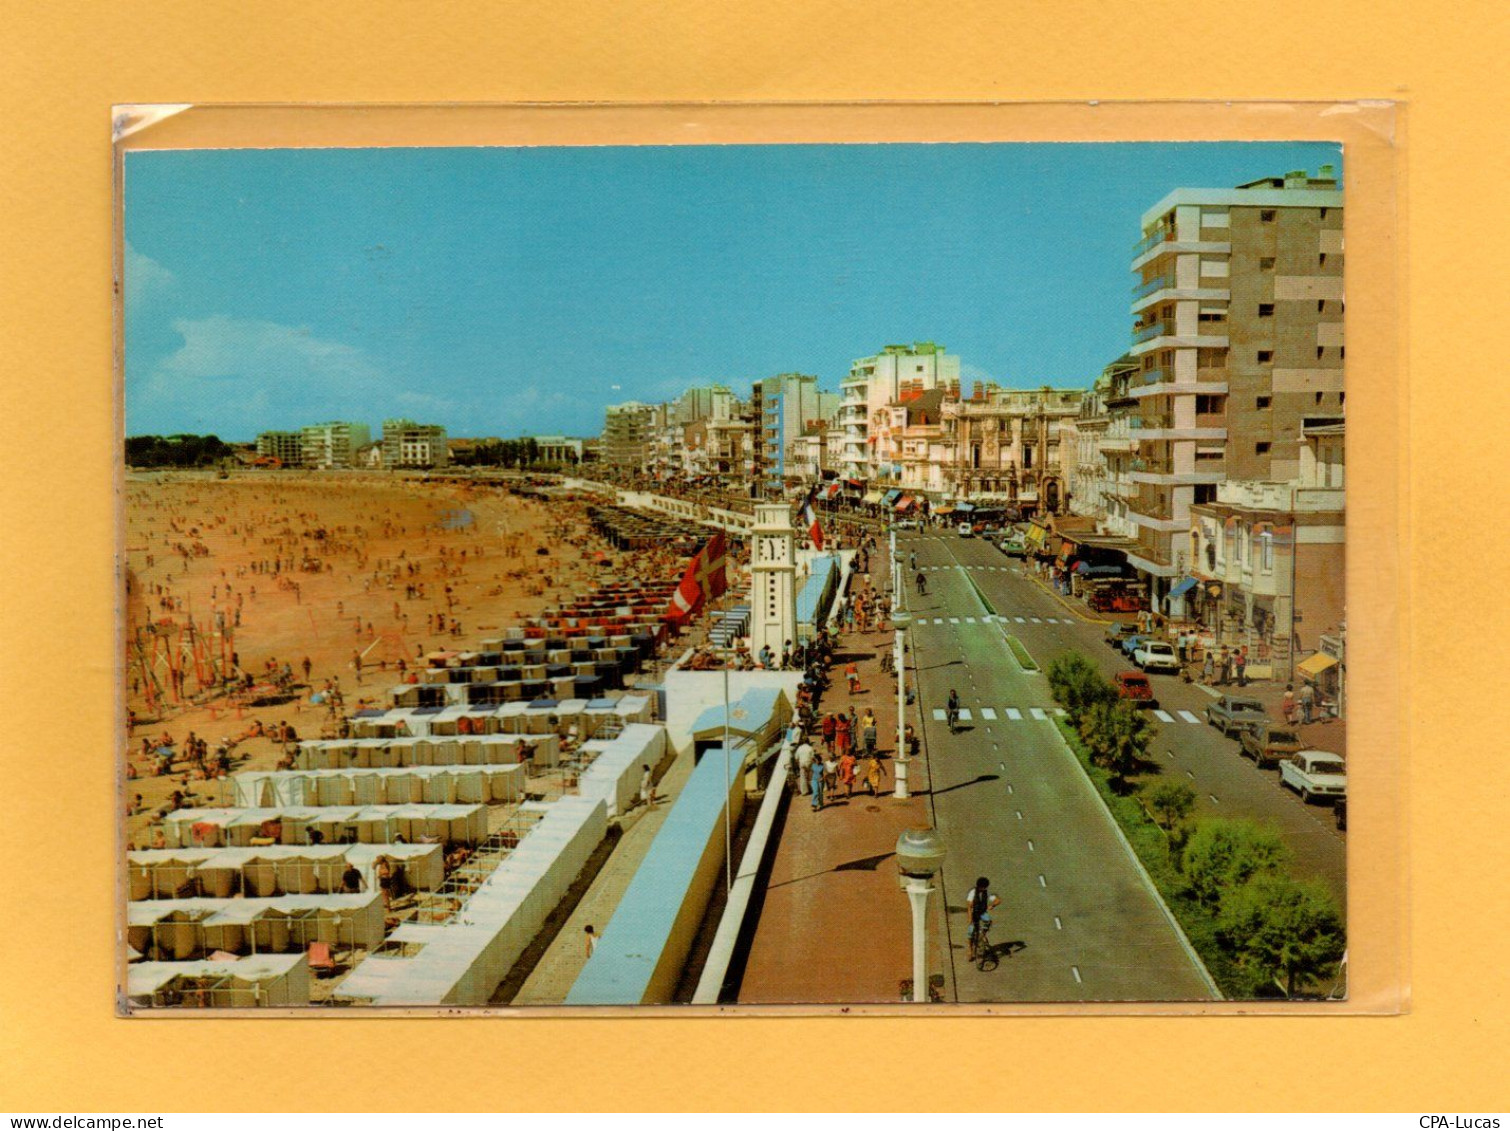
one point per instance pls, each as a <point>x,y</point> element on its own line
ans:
<point>1006,445</point>
<point>406,443</point>
<point>1268,558</point>
<point>783,408</point>
<point>285,447</point>
<point>626,436</point>
<point>874,384</point>
<point>332,444</point>
<point>1238,309</point>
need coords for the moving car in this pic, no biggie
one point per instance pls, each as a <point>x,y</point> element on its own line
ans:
<point>966,530</point>
<point>1156,655</point>
<point>908,524</point>
<point>1119,632</point>
<point>1233,714</point>
<point>1314,774</point>
<point>1014,546</point>
<point>1135,688</point>
<point>1268,743</point>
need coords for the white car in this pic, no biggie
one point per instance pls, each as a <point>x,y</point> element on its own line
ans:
<point>966,530</point>
<point>1156,656</point>
<point>1314,773</point>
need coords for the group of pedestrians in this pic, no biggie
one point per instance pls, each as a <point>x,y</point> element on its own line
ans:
<point>1225,665</point>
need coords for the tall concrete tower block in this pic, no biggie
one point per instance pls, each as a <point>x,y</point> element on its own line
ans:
<point>773,571</point>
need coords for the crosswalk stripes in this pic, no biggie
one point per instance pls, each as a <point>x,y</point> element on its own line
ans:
<point>1014,714</point>
<point>1061,712</point>
<point>1163,716</point>
<point>954,620</point>
<point>939,715</point>
<point>1020,620</point>
<point>969,620</point>
<point>938,620</point>
<point>1188,717</point>
<point>964,714</point>
<point>1037,713</point>
<point>988,713</point>
<point>1037,620</point>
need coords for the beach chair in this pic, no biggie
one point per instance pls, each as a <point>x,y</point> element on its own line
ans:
<point>321,963</point>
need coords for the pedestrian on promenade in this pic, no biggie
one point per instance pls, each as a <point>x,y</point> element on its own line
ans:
<point>868,736</point>
<point>804,767</point>
<point>1240,661</point>
<point>816,781</point>
<point>847,774</point>
<point>1224,663</point>
<point>910,741</point>
<point>912,561</point>
<point>590,937</point>
<point>1307,702</point>
<point>872,771</point>
<point>842,734</point>
<point>647,787</point>
<point>1287,704</point>
<point>1207,666</point>
<point>356,662</point>
<point>852,675</point>
<point>831,773</point>
<point>1183,647</point>
<point>828,731</point>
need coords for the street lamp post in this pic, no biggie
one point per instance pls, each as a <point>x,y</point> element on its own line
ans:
<point>920,856</point>
<point>901,621</point>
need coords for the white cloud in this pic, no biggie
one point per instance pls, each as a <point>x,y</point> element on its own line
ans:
<point>145,277</point>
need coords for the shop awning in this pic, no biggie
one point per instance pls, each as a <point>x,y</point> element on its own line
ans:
<point>967,507</point>
<point>831,490</point>
<point>890,497</point>
<point>1035,536</point>
<point>945,509</point>
<point>1316,664</point>
<point>872,497</point>
<point>905,503</point>
<point>1183,586</point>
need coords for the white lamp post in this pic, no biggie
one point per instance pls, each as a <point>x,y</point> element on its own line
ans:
<point>920,855</point>
<point>901,622</point>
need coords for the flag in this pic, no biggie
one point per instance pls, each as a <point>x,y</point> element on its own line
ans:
<point>810,520</point>
<point>704,579</point>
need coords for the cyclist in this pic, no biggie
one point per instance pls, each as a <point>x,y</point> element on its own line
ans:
<point>922,584</point>
<point>912,559</point>
<point>952,711</point>
<point>979,903</point>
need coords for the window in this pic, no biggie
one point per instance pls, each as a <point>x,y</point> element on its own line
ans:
<point>1266,215</point>
<point>1318,398</point>
<point>1266,310</point>
<point>1342,398</point>
<point>1319,351</point>
<point>1265,356</point>
<point>1342,351</point>
<point>1264,402</point>
<point>1208,404</point>
<point>1213,316</point>
<point>1321,306</point>
<point>1321,260</point>
<point>1261,448</point>
<point>1266,545</point>
<point>1323,213</point>
<point>1205,492</point>
<point>1266,263</point>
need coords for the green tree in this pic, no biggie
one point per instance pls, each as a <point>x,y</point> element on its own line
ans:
<point>1077,686</point>
<point>1171,803</point>
<point>1223,855</point>
<point>1280,928</point>
<point>1117,735</point>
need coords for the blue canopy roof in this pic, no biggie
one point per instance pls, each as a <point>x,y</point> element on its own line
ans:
<point>1183,586</point>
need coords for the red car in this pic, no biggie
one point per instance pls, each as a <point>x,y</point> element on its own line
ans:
<point>1135,688</point>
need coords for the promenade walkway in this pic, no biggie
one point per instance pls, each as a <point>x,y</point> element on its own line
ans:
<point>834,924</point>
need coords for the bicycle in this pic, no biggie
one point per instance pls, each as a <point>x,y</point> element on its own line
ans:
<point>982,953</point>
<point>952,715</point>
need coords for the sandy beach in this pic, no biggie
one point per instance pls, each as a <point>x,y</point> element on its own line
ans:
<point>342,578</point>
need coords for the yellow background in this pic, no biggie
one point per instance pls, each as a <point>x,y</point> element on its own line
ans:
<point>62,66</point>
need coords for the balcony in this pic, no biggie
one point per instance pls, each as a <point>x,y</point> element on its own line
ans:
<point>1152,330</point>
<point>1159,283</point>
<point>1149,242</point>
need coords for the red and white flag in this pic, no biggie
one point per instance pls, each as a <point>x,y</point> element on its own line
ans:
<point>704,580</point>
<point>810,520</point>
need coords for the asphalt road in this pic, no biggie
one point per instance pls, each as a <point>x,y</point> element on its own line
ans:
<point>1079,921</point>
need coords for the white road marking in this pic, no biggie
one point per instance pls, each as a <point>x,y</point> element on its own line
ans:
<point>1190,775</point>
<point>1215,800</point>
<point>1075,970</point>
<point>1043,883</point>
<point>1164,716</point>
<point>1058,926</point>
<point>964,714</point>
<point>1030,847</point>
<point>988,712</point>
<point>969,620</point>
<point>939,715</point>
<point>1019,814</point>
<point>1013,713</point>
<point>1038,713</point>
<point>1060,711</point>
<point>954,620</point>
<point>1188,717</point>
<point>1020,620</point>
<point>1037,620</point>
<point>938,620</point>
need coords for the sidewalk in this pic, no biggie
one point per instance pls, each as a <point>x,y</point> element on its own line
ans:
<point>834,924</point>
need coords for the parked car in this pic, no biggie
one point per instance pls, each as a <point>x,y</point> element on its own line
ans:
<point>1268,743</point>
<point>1314,774</point>
<point>1233,714</point>
<point>908,524</point>
<point>1014,546</point>
<point>966,530</point>
<point>1131,644</point>
<point>1156,655</point>
<point>1119,632</point>
<point>1135,688</point>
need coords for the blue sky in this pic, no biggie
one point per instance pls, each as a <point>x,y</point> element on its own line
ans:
<point>513,291</point>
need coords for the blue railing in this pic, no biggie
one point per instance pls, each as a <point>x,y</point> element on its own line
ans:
<point>1150,241</point>
<point>1152,330</point>
<point>1143,290</point>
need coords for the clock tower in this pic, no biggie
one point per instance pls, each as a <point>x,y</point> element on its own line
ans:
<point>773,576</point>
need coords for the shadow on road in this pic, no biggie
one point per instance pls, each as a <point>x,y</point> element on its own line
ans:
<point>863,864</point>
<point>965,784</point>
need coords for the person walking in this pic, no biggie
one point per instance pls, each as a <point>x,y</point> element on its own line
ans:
<point>868,736</point>
<point>1287,705</point>
<point>872,772</point>
<point>852,676</point>
<point>828,731</point>
<point>1240,661</point>
<point>842,735</point>
<point>1307,702</point>
<point>804,756</point>
<point>831,773</point>
<point>847,774</point>
<point>647,787</point>
<point>1224,662</point>
<point>1208,664</point>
